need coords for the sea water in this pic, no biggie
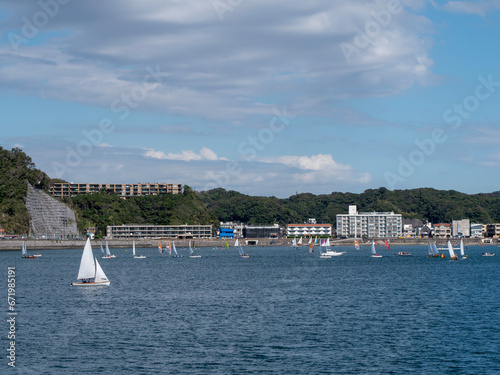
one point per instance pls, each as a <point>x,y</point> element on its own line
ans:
<point>282,311</point>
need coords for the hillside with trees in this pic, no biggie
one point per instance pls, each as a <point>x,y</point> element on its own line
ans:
<point>16,171</point>
<point>426,204</point>
<point>216,205</point>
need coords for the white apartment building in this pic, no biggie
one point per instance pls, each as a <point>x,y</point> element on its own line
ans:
<point>476,230</point>
<point>158,231</point>
<point>369,224</point>
<point>308,230</point>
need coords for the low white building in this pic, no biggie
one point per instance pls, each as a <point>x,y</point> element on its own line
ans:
<point>476,230</point>
<point>158,231</point>
<point>308,230</point>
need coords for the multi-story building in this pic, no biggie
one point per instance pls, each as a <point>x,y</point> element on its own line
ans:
<point>476,230</point>
<point>261,231</point>
<point>66,189</point>
<point>369,224</point>
<point>442,230</point>
<point>493,230</point>
<point>237,229</point>
<point>461,228</point>
<point>309,230</point>
<point>158,231</point>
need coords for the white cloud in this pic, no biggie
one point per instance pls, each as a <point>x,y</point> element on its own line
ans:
<point>472,7</point>
<point>319,168</point>
<point>185,155</point>
<point>217,69</point>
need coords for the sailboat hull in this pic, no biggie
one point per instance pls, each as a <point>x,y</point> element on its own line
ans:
<point>139,256</point>
<point>334,253</point>
<point>97,283</point>
<point>195,256</point>
<point>375,256</point>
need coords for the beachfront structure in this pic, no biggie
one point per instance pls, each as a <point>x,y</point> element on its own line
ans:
<point>461,228</point>
<point>309,230</point>
<point>442,230</point>
<point>66,189</point>
<point>369,224</point>
<point>261,231</point>
<point>226,233</point>
<point>158,231</point>
<point>493,230</point>
<point>476,230</point>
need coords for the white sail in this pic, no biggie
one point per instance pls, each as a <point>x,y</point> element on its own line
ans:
<point>107,249</point>
<point>23,249</point>
<point>450,250</point>
<point>294,242</point>
<point>102,250</point>
<point>174,249</point>
<point>435,249</point>
<point>328,242</point>
<point>191,251</point>
<point>99,273</point>
<point>87,265</point>
<point>133,247</point>
<point>240,250</point>
<point>429,248</point>
<point>310,240</point>
<point>374,252</point>
<point>236,243</point>
<point>462,250</point>
<point>300,241</point>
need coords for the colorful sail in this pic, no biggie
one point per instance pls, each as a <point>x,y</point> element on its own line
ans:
<point>160,249</point>
<point>387,244</point>
<point>356,245</point>
<point>311,248</point>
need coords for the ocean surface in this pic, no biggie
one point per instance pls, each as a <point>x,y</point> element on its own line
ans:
<point>282,311</point>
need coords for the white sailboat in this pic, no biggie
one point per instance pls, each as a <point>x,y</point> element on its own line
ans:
<point>328,249</point>
<point>462,250</point>
<point>374,252</point>
<point>90,269</point>
<point>191,252</point>
<point>453,256</point>
<point>294,243</point>
<point>174,251</point>
<point>108,253</point>
<point>433,252</point>
<point>240,250</point>
<point>133,252</point>
<point>300,242</point>
<point>24,252</point>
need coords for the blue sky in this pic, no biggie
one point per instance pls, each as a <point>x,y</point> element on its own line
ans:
<point>262,97</point>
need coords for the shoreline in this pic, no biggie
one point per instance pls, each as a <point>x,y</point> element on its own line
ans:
<point>35,244</point>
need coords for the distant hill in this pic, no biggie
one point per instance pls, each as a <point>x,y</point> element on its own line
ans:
<point>216,205</point>
<point>425,203</point>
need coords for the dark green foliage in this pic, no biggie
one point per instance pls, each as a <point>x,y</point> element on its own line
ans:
<point>213,206</point>
<point>426,204</point>
<point>106,208</point>
<point>16,171</point>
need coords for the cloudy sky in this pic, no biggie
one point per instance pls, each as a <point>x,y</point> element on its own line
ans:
<point>265,97</point>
